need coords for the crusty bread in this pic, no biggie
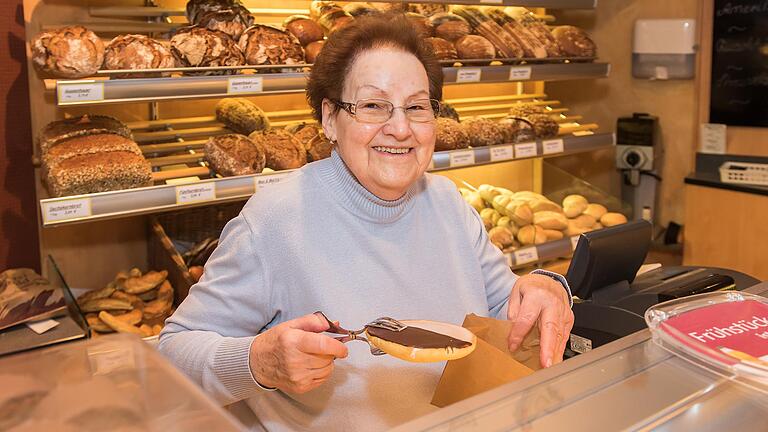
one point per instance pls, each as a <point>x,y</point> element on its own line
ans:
<point>60,130</point>
<point>98,172</point>
<point>282,149</point>
<point>89,144</point>
<point>68,52</point>
<point>233,154</point>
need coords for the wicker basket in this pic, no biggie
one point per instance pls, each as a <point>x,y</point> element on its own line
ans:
<point>744,173</point>
<point>192,225</point>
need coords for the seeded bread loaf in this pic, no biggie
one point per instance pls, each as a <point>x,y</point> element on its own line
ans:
<point>88,144</point>
<point>282,149</point>
<point>233,155</point>
<point>241,115</point>
<point>451,135</point>
<point>60,130</point>
<point>483,131</point>
<point>68,52</point>
<point>98,172</point>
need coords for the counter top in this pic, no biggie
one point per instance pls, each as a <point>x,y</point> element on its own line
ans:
<point>713,180</point>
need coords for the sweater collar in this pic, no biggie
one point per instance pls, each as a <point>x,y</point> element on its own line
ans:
<point>334,174</point>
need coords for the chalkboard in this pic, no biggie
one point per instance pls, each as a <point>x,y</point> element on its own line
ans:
<point>739,93</point>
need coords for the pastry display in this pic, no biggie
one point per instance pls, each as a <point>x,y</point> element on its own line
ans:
<point>304,29</point>
<point>231,21</point>
<point>60,130</point>
<point>283,151</point>
<point>448,26</point>
<point>241,115</point>
<point>68,52</point>
<point>423,341</point>
<point>574,41</point>
<point>451,135</point>
<point>505,44</point>
<point>475,47</point>
<point>443,49</point>
<point>137,52</point>
<point>483,131</point>
<point>312,50</point>
<point>263,44</point>
<point>200,47</point>
<point>312,137</point>
<point>233,155</point>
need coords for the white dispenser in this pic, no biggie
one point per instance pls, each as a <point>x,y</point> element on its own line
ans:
<point>664,48</point>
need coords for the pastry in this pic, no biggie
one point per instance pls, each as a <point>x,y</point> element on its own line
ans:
<point>423,341</point>
<point>233,155</point>
<point>304,29</point>
<point>241,115</point>
<point>483,131</point>
<point>314,140</point>
<point>263,44</point>
<point>232,21</point>
<point>517,130</point>
<point>283,151</point>
<point>475,47</point>
<point>443,49</point>
<point>200,47</point>
<point>68,52</point>
<point>60,130</point>
<point>98,172</point>
<point>448,26</point>
<point>137,52</point>
<point>451,135</point>
<point>574,42</point>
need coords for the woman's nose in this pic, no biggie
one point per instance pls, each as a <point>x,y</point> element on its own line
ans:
<point>398,125</point>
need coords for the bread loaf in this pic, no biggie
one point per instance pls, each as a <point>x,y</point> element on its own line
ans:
<point>282,149</point>
<point>304,29</point>
<point>427,9</point>
<point>231,21</point>
<point>85,145</point>
<point>313,50</point>
<point>329,15</point>
<point>98,172</point>
<point>536,28</point>
<point>262,44</point>
<point>360,9</point>
<point>137,52</point>
<point>450,135</point>
<point>200,47</point>
<point>443,49</point>
<point>448,26</point>
<point>574,205</point>
<point>517,130</point>
<point>68,52</point>
<point>475,47</point>
<point>595,210</point>
<point>505,44</point>
<point>521,109</point>
<point>196,8</point>
<point>60,130</point>
<point>421,24</point>
<point>241,115</point>
<point>610,219</point>
<point>448,111</point>
<point>233,155</point>
<point>483,131</point>
<point>531,46</point>
<point>574,41</point>
<point>313,139</point>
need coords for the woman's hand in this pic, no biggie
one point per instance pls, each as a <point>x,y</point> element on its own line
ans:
<point>293,357</point>
<point>540,298</point>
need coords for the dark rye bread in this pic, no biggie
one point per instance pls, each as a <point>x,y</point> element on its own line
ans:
<point>98,172</point>
<point>60,130</point>
<point>282,149</point>
<point>89,144</point>
<point>233,155</point>
<point>314,140</point>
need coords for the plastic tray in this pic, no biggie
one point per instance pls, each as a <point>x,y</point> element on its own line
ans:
<point>744,173</point>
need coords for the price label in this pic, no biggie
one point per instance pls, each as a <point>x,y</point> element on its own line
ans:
<point>462,158</point>
<point>266,181</point>
<point>502,153</point>
<point>574,242</point>
<point>80,92</point>
<point>552,146</point>
<point>491,1</point>
<point>245,85</point>
<point>526,150</point>
<point>468,75</point>
<point>195,193</point>
<point>526,255</point>
<point>66,209</point>
<point>519,73</point>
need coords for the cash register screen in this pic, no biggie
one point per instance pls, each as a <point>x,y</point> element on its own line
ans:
<point>608,256</point>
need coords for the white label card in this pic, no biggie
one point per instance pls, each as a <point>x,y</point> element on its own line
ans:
<point>492,1</point>
<point>265,181</point>
<point>195,193</point>
<point>66,209</point>
<point>468,75</point>
<point>574,242</point>
<point>552,146</point>
<point>462,158</point>
<point>80,92</point>
<point>525,150</point>
<point>245,85</point>
<point>519,73</point>
<point>502,153</point>
<point>526,255</point>
<point>713,138</point>
<point>43,326</point>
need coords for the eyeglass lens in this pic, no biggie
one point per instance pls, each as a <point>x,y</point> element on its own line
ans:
<point>379,111</point>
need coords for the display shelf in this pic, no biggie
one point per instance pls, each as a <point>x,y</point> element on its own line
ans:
<point>155,199</point>
<point>104,91</point>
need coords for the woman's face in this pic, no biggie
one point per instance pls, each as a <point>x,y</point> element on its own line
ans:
<point>386,158</point>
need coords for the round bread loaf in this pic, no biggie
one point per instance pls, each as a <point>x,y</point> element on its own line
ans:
<point>304,29</point>
<point>313,139</point>
<point>200,47</point>
<point>134,51</point>
<point>421,24</point>
<point>196,8</point>
<point>451,135</point>
<point>313,50</point>
<point>428,9</point>
<point>241,115</point>
<point>448,111</point>
<point>263,44</point>
<point>443,49</point>
<point>68,52</point>
<point>424,341</point>
<point>233,155</point>
<point>448,26</point>
<point>483,131</point>
<point>574,205</point>
<point>282,149</point>
<point>475,47</point>
<point>232,21</point>
<point>574,42</point>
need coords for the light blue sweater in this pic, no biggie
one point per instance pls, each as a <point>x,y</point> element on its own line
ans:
<point>320,241</point>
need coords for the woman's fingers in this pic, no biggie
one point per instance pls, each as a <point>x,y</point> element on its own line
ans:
<point>313,343</point>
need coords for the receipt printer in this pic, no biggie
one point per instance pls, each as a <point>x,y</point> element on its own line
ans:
<point>610,300</point>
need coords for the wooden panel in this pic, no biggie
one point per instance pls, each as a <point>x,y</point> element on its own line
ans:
<point>726,229</point>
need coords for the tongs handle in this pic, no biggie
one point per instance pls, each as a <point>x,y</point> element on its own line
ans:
<point>337,329</point>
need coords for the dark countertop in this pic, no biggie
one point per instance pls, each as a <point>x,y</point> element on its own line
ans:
<point>713,180</point>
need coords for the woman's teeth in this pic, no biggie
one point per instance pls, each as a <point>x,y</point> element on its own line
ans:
<point>393,150</point>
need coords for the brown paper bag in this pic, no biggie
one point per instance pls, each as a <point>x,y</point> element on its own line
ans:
<point>490,364</point>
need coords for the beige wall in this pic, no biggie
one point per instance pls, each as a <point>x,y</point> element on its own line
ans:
<point>603,101</point>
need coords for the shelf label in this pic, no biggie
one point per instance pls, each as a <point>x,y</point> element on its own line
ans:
<point>468,75</point>
<point>265,181</point>
<point>526,255</point>
<point>580,344</point>
<point>552,146</point>
<point>195,193</point>
<point>502,153</point>
<point>491,1</point>
<point>66,209</point>
<point>245,85</point>
<point>525,150</point>
<point>520,73</point>
<point>462,158</point>
<point>80,92</point>
<point>574,241</point>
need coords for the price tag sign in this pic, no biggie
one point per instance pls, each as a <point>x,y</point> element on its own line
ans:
<point>713,138</point>
<point>552,146</point>
<point>526,255</point>
<point>66,209</point>
<point>265,181</point>
<point>574,242</point>
<point>491,1</point>
<point>525,150</point>
<point>80,92</point>
<point>468,75</point>
<point>502,153</point>
<point>520,73</point>
<point>245,85</point>
<point>195,193</point>
<point>462,158</point>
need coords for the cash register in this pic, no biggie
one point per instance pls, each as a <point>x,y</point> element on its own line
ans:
<point>610,299</point>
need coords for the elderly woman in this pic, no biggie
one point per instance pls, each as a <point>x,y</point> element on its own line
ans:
<point>362,234</point>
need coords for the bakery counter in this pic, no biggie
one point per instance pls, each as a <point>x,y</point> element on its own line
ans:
<point>630,384</point>
<point>155,199</point>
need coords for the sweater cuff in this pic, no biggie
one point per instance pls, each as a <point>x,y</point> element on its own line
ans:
<point>231,364</point>
<point>558,277</point>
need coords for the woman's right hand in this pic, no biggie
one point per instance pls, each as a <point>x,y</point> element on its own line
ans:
<point>293,356</point>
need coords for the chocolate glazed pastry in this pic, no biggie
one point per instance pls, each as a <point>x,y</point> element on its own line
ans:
<point>137,52</point>
<point>200,47</point>
<point>263,44</point>
<point>416,337</point>
<point>68,52</point>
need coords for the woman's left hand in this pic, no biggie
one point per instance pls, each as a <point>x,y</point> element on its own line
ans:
<point>538,298</point>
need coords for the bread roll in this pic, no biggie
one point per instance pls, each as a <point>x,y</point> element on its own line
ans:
<point>574,205</point>
<point>263,44</point>
<point>610,219</point>
<point>553,235</point>
<point>241,115</point>
<point>282,149</point>
<point>68,52</point>
<point>531,234</point>
<point>584,221</point>
<point>424,341</point>
<point>595,210</point>
<point>483,131</point>
<point>450,135</point>
<point>313,50</point>
<point>233,155</point>
<point>134,51</point>
<point>501,237</point>
<point>60,130</point>
<point>550,220</point>
<point>200,47</point>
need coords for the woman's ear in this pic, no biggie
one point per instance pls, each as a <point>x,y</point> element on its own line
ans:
<point>329,120</point>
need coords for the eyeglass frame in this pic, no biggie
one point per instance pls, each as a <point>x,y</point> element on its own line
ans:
<point>351,108</point>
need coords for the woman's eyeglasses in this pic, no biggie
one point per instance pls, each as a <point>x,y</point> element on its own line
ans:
<point>380,111</point>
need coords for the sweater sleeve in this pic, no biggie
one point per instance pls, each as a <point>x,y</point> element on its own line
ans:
<point>210,334</point>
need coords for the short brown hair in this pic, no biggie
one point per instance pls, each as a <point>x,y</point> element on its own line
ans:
<point>342,48</point>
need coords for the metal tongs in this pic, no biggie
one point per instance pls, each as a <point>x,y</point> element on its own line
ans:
<point>385,323</point>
